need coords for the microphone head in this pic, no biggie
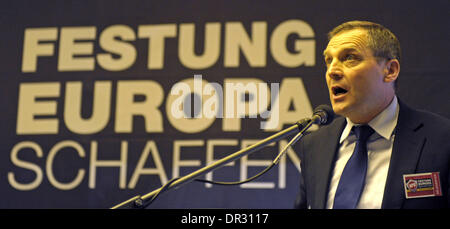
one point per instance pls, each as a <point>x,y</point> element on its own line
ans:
<point>325,113</point>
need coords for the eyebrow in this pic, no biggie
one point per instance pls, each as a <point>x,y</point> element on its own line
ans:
<point>325,52</point>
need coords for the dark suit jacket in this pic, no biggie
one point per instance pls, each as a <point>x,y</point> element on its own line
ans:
<point>421,144</point>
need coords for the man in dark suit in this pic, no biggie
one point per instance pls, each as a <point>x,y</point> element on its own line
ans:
<point>380,153</point>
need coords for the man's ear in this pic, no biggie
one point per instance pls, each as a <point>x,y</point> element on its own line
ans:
<point>391,70</point>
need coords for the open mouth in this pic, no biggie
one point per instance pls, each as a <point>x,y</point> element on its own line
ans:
<point>338,90</point>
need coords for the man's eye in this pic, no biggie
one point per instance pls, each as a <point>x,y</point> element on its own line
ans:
<point>350,57</point>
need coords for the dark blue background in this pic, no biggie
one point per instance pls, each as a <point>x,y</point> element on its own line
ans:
<point>421,26</point>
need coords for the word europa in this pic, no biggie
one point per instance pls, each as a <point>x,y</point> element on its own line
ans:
<point>37,112</point>
<point>117,45</point>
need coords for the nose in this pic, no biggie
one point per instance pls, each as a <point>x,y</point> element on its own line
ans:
<point>334,70</point>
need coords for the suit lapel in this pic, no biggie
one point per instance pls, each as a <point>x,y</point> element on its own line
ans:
<point>408,145</point>
<point>324,161</point>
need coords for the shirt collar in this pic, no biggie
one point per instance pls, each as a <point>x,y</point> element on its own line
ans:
<point>383,124</point>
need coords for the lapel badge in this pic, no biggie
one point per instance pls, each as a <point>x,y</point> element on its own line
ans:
<point>422,185</point>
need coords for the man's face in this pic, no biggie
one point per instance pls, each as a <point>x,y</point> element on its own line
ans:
<point>354,77</point>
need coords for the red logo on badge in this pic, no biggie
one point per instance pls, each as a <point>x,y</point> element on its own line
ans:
<point>412,185</point>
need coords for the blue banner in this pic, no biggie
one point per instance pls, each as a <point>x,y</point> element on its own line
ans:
<point>105,100</point>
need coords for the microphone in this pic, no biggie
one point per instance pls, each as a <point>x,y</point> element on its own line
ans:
<point>323,115</point>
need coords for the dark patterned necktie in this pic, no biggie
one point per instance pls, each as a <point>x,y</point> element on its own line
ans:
<point>353,177</point>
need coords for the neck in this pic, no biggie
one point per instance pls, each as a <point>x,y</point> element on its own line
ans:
<point>364,116</point>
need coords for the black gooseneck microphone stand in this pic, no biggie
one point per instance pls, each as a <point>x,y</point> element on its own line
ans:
<point>320,117</point>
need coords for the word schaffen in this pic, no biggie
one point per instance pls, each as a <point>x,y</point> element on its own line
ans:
<point>88,162</point>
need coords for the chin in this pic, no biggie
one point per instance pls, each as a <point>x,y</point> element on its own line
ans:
<point>339,109</point>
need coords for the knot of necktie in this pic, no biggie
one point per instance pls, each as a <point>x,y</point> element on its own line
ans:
<point>363,132</point>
